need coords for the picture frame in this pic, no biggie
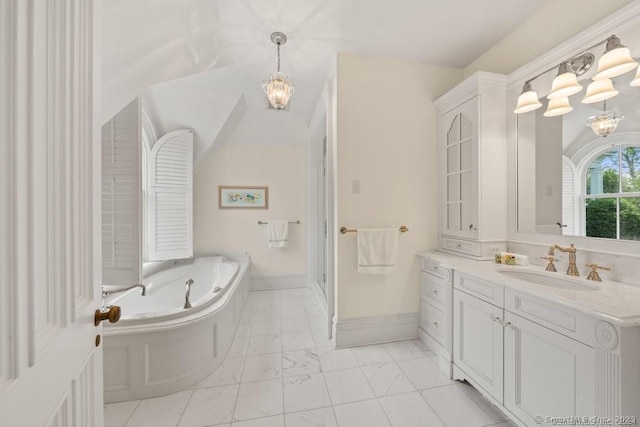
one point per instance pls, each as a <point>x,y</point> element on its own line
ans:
<point>243,197</point>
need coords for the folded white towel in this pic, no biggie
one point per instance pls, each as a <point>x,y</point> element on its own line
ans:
<point>277,233</point>
<point>377,250</point>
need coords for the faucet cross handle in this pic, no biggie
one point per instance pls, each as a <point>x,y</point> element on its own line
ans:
<point>593,274</point>
<point>550,259</point>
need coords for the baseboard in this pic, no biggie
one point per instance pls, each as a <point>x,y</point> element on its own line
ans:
<point>375,329</point>
<point>283,281</point>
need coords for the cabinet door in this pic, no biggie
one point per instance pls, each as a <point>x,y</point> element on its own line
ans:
<point>459,171</point>
<point>546,373</point>
<point>477,341</point>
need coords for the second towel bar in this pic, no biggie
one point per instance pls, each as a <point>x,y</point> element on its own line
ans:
<point>290,222</point>
<point>345,230</point>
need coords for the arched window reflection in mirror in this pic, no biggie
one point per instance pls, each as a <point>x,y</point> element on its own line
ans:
<point>612,194</point>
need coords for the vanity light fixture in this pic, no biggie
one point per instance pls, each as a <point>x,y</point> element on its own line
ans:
<point>558,107</point>
<point>278,87</point>
<point>528,100</point>
<point>599,90</point>
<point>615,61</point>
<point>565,83</point>
<point>604,124</point>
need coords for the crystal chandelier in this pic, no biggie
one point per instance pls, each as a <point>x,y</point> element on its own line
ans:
<point>605,123</point>
<point>278,87</point>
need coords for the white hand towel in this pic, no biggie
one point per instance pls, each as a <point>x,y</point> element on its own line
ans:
<point>377,250</point>
<point>277,233</point>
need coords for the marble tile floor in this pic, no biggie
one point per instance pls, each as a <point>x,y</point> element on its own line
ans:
<point>281,371</point>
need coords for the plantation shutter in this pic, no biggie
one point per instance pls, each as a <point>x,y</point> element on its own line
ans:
<point>171,197</point>
<point>568,197</point>
<point>121,198</point>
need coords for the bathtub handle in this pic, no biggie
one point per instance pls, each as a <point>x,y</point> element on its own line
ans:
<point>113,315</point>
<point>188,284</point>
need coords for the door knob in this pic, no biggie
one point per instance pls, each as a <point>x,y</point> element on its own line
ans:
<point>113,315</point>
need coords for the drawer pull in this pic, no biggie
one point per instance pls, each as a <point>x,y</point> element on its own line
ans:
<point>497,319</point>
<point>458,245</point>
<point>508,325</point>
<point>435,268</point>
<point>435,324</point>
<point>435,291</point>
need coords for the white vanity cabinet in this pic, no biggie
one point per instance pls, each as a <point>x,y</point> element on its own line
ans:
<point>478,341</point>
<point>530,356</point>
<point>472,166</point>
<point>436,311</point>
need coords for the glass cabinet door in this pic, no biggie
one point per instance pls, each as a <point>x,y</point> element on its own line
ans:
<point>460,179</point>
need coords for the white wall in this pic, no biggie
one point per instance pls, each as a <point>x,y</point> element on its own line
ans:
<point>556,22</point>
<point>280,167</point>
<point>386,138</point>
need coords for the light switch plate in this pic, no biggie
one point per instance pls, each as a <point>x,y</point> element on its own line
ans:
<point>356,186</point>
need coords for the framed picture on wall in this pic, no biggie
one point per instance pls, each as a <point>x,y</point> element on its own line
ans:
<point>238,197</point>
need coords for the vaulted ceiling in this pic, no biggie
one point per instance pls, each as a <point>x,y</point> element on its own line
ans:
<point>151,41</point>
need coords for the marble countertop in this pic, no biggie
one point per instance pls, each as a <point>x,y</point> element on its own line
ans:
<point>614,302</point>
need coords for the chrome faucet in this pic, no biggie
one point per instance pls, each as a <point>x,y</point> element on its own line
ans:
<point>572,269</point>
<point>188,284</point>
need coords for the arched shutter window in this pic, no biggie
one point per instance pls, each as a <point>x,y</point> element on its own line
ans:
<point>170,212</point>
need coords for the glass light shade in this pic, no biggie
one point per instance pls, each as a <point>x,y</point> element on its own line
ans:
<point>605,123</point>
<point>558,107</point>
<point>564,85</point>
<point>636,79</point>
<point>278,89</point>
<point>614,63</point>
<point>599,90</point>
<point>527,101</point>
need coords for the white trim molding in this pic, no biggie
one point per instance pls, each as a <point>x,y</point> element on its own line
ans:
<point>375,329</point>
<point>281,281</point>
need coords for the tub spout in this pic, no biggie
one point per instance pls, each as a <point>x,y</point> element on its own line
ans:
<point>188,284</point>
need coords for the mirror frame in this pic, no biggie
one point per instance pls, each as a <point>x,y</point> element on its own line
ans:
<point>620,23</point>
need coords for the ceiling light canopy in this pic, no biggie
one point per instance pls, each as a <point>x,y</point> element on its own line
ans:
<point>278,87</point>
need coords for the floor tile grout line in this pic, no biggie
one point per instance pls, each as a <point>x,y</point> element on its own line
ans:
<point>132,412</point>
<point>193,390</point>
<point>235,402</point>
<point>431,407</point>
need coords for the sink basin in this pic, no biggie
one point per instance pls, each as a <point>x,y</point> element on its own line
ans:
<point>546,280</point>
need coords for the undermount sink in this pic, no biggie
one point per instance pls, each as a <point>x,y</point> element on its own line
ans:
<point>546,280</point>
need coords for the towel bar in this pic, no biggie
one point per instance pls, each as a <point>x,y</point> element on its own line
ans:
<point>290,222</point>
<point>345,230</point>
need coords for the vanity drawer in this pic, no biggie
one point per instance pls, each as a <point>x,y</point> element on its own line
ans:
<point>462,246</point>
<point>435,269</point>
<point>433,291</point>
<point>556,317</point>
<point>432,322</point>
<point>487,291</point>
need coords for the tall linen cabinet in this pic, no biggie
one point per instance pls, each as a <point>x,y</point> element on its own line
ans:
<point>472,140</point>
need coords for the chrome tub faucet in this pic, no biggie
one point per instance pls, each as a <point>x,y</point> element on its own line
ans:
<point>116,291</point>
<point>188,284</point>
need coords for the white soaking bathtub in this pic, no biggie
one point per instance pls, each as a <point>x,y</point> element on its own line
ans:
<point>158,347</point>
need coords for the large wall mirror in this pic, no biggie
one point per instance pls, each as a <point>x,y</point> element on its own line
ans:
<point>571,181</point>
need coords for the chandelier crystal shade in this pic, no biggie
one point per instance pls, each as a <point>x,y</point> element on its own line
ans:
<point>278,87</point>
<point>604,124</point>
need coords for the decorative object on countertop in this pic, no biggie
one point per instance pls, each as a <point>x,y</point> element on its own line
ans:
<point>593,274</point>
<point>572,269</point>
<point>377,250</point>
<point>498,258</point>
<point>519,259</point>
<point>509,259</point>
<point>550,260</point>
<point>278,233</point>
<point>239,197</point>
